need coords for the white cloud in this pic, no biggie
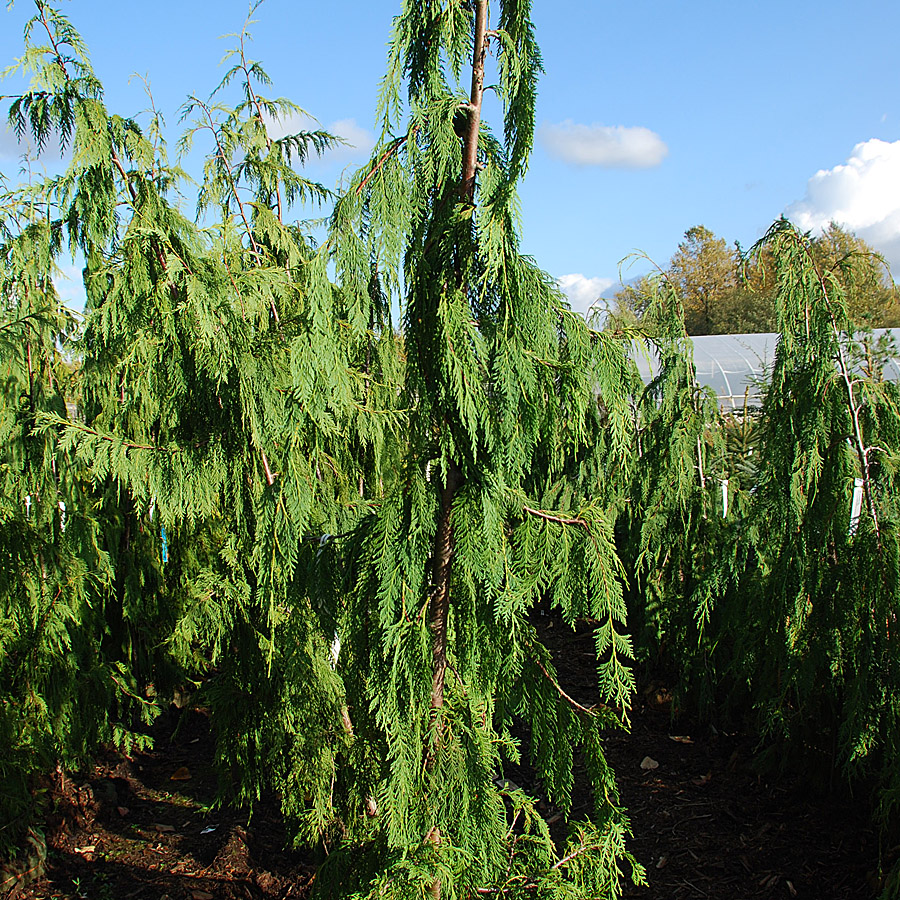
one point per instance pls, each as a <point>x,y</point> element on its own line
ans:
<point>862,194</point>
<point>583,292</point>
<point>609,146</point>
<point>70,285</point>
<point>358,140</point>
<point>277,128</point>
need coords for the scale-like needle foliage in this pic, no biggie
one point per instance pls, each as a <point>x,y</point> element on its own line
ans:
<point>439,656</point>
<point>232,408</point>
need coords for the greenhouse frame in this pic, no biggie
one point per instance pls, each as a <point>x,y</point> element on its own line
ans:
<point>736,366</point>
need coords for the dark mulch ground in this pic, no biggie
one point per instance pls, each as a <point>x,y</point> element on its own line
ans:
<point>145,827</point>
<point>706,824</point>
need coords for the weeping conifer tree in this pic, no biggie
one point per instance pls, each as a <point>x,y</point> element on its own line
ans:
<point>49,565</point>
<point>70,661</point>
<point>214,423</point>
<point>821,575</point>
<point>440,661</point>
<point>801,624</point>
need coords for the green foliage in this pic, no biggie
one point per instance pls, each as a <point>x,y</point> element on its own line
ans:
<point>225,409</point>
<point>240,470</point>
<point>670,526</point>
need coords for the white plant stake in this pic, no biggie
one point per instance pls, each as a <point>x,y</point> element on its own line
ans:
<point>724,483</point>
<point>335,650</point>
<point>28,506</point>
<point>336,643</point>
<point>856,505</point>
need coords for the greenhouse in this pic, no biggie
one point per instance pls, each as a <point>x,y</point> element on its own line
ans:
<point>735,366</point>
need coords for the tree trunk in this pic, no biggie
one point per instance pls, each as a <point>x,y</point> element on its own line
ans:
<point>470,149</point>
<point>440,596</point>
<point>443,541</point>
<point>453,479</point>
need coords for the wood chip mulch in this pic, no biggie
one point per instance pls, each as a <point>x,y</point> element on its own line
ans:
<point>706,824</point>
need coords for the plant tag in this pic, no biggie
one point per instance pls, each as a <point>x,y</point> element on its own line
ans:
<point>856,505</point>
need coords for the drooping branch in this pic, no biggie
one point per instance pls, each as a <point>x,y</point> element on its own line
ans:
<point>109,438</point>
<point>563,520</point>
<point>551,517</point>
<point>392,148</point>
<point>573,855</point>
<point>590,711</point>
<point>131,445</point>
<point>576,522</point>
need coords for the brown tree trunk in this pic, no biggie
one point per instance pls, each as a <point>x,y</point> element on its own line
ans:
<point>453,479</point>
<point>440,597</point>
<point>443,541</point>
<point>470,149</point>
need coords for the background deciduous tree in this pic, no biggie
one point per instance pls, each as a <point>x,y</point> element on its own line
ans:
<point>873,300</point>
<point>704,272</point>
<point>723,292</point>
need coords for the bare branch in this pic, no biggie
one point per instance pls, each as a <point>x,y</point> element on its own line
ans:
<point>574,704</point>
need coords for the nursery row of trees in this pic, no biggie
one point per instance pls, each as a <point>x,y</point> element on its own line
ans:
<point>237,456</point>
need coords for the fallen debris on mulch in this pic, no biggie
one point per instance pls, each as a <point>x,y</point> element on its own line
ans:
<point>145,827</point>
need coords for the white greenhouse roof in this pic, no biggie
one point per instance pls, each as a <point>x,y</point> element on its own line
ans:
<point>735,365</point>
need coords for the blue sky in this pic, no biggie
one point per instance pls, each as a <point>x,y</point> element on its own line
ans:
<point>653,116</point>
